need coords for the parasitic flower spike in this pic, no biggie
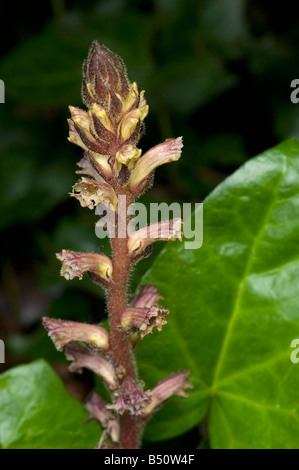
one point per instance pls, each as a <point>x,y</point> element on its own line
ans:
<point>113,170</point>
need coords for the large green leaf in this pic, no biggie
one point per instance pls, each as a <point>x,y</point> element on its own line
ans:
<point>36,412</point>
<point>234,311</point>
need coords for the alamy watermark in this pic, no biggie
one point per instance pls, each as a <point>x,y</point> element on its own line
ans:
<point>294,97</point>
<point>2,91</point>
<point>295,354</point>
<point>140,216</point>
<point>2,352</point>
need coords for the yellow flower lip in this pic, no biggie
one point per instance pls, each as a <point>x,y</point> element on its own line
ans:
<point>132,97</point>
<point>80,117</point>
<point>129,123</point>
<point>101,113</point>
<point>128,154</point>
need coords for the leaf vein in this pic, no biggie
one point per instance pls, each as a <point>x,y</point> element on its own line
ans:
<point>238,301</point>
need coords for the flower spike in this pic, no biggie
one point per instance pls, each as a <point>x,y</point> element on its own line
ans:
<point>113,173</point>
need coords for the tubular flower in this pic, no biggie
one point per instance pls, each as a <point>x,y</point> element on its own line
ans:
<point>169,231</point>
<point>63,332</point>
<point>144,314</point>
<point>74,264</point>
<point>83,357</point>
<point>168,151</point>
<point>97,408</point>
<point>175,384</point>
<point>144,319</point>
<point>147,297</point>
<point>92,189</point>
<point>90,193</point>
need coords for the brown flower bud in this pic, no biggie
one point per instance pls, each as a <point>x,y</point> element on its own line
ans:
<point>105,80</point>
<point>111,128</point>
<point>147,297</point>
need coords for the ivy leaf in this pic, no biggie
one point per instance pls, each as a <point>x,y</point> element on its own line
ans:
<point>36,412</point>
<point>234,311</point>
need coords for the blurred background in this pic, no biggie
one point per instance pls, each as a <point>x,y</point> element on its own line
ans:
<point>216,72</point>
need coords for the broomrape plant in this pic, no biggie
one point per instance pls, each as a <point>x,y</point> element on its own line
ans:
<point>112,167</point>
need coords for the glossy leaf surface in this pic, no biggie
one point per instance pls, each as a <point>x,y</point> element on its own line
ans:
<point>36,412</point>
<point>234,311</point>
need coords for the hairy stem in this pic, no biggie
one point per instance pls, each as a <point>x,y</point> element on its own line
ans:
<point>121,348</point>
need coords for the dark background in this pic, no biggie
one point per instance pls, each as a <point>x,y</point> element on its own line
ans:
<point>216,72</point>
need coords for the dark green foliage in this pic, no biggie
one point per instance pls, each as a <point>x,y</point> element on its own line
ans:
<point>217,73</point>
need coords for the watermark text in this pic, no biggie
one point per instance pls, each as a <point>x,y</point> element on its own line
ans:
<point>2,352</point>
<point>2,91</point>
<point>140,215</point>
